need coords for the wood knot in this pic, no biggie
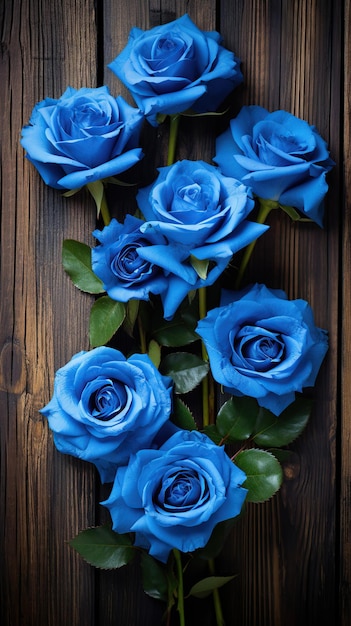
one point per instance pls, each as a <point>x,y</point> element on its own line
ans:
<point>291,467</point>
<point>12,367</point>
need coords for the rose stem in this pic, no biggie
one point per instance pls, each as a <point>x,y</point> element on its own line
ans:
<point>207,418</point>
<point>216,597</point>
<point>180,605</point>
<point>265,207</point>
<point>142,336</point>
<point>205,382</point>
<point>173,134</point>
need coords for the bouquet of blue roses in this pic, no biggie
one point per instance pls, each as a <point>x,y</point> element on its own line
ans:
<point>178,482</point>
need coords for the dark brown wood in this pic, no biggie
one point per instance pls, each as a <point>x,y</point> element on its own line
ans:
<point>292,554</point>
<point>287,561</point>
<point>45,498</point>
<point>345,426</point>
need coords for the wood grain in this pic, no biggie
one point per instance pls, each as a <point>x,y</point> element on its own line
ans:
<point>288,576</point>
<point>292,554</point>
<point>345,426</point>
<point>45,497</point>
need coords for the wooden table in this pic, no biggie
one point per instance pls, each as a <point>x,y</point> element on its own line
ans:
<point>292,554</point>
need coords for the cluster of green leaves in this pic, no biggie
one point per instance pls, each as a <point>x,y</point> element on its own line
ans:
<point>242,420</point>
<point>103,548</point>
<point>261,437</point>
<point>106,315</point>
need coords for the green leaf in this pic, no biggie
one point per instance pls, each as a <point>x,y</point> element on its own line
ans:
<point>160,117</point>
<point>76,260</point>
<point>275,431</point>
<point>204,587</point>
<point>106,316</point>
<point>263,471</point>
<point>182,416</point>
<point>187,370</point>
<point>154,353</point>
<point>174,334</point>
<point>190,113</point>
<point>291,212</point>
<point>212,432</point>
<point>236,418</point>
<point>132,308</point>
<point>103,548</point>
<point>200,266</point>
<point>215,543</point>
<point>283,456</point>
<point>97,191</point>
<point>71,192</point>
<point>116,181</point>
<point>180,331</point>
<point>154,578</point>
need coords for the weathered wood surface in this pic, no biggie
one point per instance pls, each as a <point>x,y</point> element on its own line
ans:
<point>293,554</point>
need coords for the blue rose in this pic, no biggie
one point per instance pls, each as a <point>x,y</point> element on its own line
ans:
<point>202,215</point>
<point>119,263</point>
<point>279,156</point>
<point>174,497</point>
<point>262,345</point>
<point>176,66</point>
<point>86,135</point>
<point>105,407</point>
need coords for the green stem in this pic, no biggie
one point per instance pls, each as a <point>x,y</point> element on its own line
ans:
<point>205,381</point>
<point>202,303</point>
<point>105,213</point>
<point>173,135</point>
<point>142,338</point>
<point>180,605</point>
<point>265,208</point>
<point>216,597</point>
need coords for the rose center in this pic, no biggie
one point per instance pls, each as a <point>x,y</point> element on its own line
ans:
<point>181,491</point>
<point>88,115</point>
<point>190,203</point>
<point>105,399</point>
<point>128,265</point>
<point>165,51</point>
<point>192,194</point>
<point>75,122</point>
<point>164,46</point>
<point>258,348</point>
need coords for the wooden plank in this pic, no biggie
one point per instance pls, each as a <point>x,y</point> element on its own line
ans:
<point>285,549</point>
<point>345,430</point>
<point>45,497</point>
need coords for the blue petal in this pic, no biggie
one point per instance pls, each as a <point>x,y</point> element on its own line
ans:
<point>111,168</point>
